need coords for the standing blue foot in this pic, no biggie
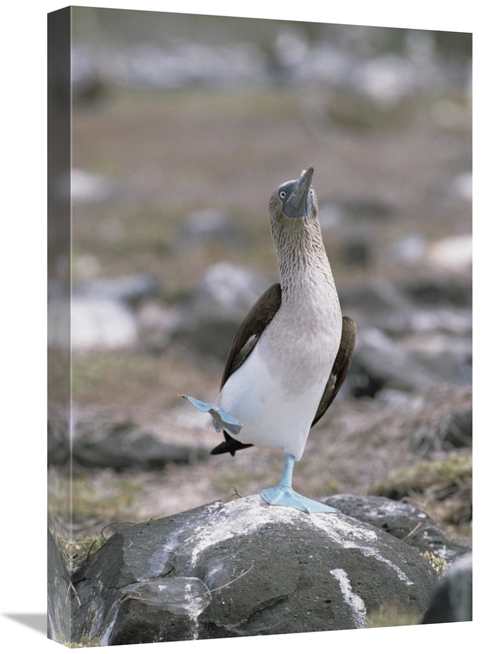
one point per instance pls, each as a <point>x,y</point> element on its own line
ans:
<point>221,419</point>
<point>278,496</point>
<point>284,495</point>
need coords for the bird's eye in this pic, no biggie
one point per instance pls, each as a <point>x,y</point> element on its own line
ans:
<point>282,195</point>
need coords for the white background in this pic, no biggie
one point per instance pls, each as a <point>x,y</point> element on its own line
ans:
<point>23,318</point>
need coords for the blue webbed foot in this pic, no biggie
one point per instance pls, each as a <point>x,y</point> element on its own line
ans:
<point>221,419</point>
<point>279,496</point>
<point>284,495</point>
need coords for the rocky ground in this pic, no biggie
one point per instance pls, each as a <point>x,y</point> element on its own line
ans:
<point>172,246</point>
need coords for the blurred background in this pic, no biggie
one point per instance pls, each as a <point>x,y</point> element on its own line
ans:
<point>182,126</point>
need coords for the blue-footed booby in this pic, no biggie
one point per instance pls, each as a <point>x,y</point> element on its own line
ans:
<point>292,352</point>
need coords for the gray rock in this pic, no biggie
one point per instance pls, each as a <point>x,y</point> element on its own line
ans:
<point>408,248</point>
<point>380,361</point>
<point>374,299</point>
<point>414,320</point>
<point>452,431</point>
<point>439,319</point>
<point>101,324</point>
<point>386,78</point>
<point>453,254</point>
<point>461,185</point>
<point>403,521</point>
<point>381,69</point>
<point>383,306</point>
<point>228,289</point>
<point>452,600</point>
<point>243,569</point>
<point>409,363</point>
<point>58,603</point>
<point>441,291</point>
<point>211,225</point>
<point>357,251</point>
<point>447,357</point>
<point>126,446</point>
<point>106,443</point>
<point>156,324</point>
<point>127,287</point>
<point>209,320</point>
<point>86,187</point>
<point>368,209</point>
<point>87,84</point>
<point>58,450</point>
<point>152,66</point>
<point>102,315</point>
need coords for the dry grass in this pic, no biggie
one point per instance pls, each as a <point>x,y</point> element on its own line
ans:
<point>389,615</point>
<point>442,488</point>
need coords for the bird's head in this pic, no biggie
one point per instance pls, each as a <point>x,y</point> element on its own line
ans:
<point>294,200</point>
<point>295,228</point>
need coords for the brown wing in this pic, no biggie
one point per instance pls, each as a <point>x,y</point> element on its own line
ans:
<point>340,368</point>
<point>249,332</point>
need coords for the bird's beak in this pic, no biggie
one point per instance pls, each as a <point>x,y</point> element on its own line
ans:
<point>299,203</point>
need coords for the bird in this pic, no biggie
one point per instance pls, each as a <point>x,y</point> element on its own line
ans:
<point>292,352</point>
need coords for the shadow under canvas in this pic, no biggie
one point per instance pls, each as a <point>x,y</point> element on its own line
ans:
<point>37,621</point>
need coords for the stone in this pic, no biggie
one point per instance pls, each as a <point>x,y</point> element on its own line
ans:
<point>408,248</point>
<point>156,323</point>
<point>211,225</point>
<point>413,360</point>
<point>102,313</point>
<point>452,599</point>
<point>119,445</point>
<point>357,252</point>
<point>441,290</point>
<point>58,589</point>
<point>381,361</point>
<point>123,445</point>
<point>101,324</point>
<point>462,185</point>
<point>208,321</point>
<point>453,253</point>
<point>373,299</point>
<point>398,311</point>
<point>243,569</point>
<point>452,431</point>
<point>127,287</point>
<point>86,188</point>
<point>401,520</point>
<point>58,449</point>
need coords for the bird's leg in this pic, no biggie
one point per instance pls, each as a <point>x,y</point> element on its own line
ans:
<point>284,495</point>
<point>286,479</point>
<point>221,419</point>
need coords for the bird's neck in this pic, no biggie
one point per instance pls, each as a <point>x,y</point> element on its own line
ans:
<point>303,262</point>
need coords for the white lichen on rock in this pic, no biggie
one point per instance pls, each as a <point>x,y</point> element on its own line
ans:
<point>351,599</point>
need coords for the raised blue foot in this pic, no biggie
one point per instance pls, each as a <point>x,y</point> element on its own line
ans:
<point>284,495</point>
<point>221,419</point>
